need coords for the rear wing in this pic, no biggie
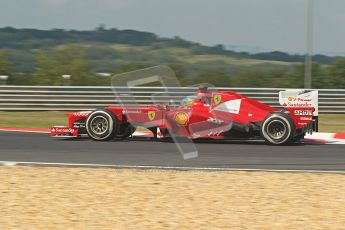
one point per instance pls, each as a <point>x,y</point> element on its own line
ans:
<point>301,99</point>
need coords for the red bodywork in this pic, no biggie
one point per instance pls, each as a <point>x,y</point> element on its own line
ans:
<point>197,119</point>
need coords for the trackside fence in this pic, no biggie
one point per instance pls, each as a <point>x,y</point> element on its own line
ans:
<point>68,98</point>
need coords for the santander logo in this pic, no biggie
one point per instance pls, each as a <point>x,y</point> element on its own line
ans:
<point>62,130</point>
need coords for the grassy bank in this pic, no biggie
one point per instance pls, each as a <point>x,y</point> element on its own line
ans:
<point>328,122</point>
<point>32,119</point>
<point>332,123</point>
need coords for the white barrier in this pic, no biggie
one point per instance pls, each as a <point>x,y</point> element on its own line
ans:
<point>66,98</point>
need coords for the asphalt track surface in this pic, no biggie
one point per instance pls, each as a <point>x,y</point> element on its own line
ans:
<point>34,147</point>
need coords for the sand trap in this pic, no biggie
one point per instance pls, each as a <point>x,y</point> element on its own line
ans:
<point>80,198</point>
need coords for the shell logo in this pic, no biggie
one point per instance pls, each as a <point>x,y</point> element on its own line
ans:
<point>181,118</point>
<point>291,98</point>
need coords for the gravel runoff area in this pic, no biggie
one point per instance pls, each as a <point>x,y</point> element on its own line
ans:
<point>96,198</point>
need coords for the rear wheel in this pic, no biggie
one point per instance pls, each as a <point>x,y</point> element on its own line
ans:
<point>278,129</point>
<point>102,125</point>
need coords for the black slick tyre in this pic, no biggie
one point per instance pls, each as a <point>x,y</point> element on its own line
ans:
<point>278,129</point>
<point>102,125</point>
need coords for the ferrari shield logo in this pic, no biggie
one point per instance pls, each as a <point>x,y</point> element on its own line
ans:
<point>151,115</point>
<point>217,99</point>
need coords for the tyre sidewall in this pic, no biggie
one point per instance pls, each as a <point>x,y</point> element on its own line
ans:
<point>112,125</point>
<point>288,124</point>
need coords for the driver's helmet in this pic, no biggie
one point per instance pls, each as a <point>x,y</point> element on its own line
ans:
<point>202,88</point>
<point>187,100</point>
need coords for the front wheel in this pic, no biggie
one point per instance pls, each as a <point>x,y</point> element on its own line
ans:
<point>102,125</point>
<point>278,129</point>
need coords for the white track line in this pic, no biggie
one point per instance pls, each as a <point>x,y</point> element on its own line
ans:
<point>24,131</point>
<point>327,137</point>
<point>179,168</point>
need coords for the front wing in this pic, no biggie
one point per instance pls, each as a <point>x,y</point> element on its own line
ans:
<point>63,131</point>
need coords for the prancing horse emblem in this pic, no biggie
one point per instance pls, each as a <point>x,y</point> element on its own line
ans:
<point>151,115</point>
<point>217,99</point>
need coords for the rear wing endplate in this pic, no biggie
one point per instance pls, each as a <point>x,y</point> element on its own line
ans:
<point>301,98</point>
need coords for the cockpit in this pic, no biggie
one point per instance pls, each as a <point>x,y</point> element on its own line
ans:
<point>187,100</point>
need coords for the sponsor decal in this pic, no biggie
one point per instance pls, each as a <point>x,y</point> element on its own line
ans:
<point>215,121</point>
<point>151,115</point>
<point>82,113</point>
<point>303,113</point>
<point>217,99</point>
<point>215,132</point>
<point>300,98</point>
<point>306,105</point>
<point>62,130</point>
<point>302,123</point>
<point>306,118</point>
<point>181,118</point>
<point>125,111</point>
<point>299,102</point>
<point>78,124</point>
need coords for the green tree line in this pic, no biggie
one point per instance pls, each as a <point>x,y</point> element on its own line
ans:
<point>72,60</point>
<point>25,41</point>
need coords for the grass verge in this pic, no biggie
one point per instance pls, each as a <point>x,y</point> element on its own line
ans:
<point>32,119</point>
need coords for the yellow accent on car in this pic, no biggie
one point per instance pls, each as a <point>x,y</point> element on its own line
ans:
<point>151,115</point>
<point>217,99</point>
<point>181,118</point>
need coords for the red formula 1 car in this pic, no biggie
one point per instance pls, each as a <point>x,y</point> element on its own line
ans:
<point>209,114</point>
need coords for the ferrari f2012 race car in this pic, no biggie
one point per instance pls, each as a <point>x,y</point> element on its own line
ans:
<point>211,114</point>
